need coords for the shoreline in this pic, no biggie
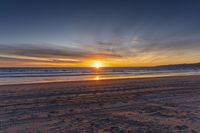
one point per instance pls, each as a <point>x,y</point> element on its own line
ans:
<point>99,80</point>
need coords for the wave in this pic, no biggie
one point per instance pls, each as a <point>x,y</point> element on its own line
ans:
<point>31,75</point>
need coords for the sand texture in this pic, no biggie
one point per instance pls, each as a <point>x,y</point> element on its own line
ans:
<point>149,105</point>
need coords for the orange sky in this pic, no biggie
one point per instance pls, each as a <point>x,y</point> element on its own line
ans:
<point>145,60</point>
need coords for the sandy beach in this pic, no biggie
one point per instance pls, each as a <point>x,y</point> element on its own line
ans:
<point>146,105</point>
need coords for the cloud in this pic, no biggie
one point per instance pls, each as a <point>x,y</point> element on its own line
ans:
<point>117,48</point>
<point>10,58</point>
<point>50,52</point>
<point>172,46</point>
<point>138,47</point>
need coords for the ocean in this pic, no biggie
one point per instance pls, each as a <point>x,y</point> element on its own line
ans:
<point>41,75</point>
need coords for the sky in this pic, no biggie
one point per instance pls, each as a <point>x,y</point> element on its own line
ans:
<point>117,33</point>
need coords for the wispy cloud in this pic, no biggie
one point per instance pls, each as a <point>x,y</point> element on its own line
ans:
<point>47,52</point>
<point>136,48</point>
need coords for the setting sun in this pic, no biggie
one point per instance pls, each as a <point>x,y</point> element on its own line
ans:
<point>98,64</point>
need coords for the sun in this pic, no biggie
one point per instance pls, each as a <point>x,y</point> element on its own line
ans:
<point>98,64</point>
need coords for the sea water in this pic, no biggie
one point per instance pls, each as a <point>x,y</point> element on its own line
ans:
<point>38,75</point>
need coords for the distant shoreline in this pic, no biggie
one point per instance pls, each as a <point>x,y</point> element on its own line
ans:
<point>197,64</point>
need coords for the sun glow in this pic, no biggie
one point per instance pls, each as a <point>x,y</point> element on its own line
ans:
<point>98,64</point>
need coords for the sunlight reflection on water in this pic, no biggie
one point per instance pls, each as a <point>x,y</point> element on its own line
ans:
<point>97,77</point>
<point>23,76</point>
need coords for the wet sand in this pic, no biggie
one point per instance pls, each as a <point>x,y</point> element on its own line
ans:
<point>147,105</point>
